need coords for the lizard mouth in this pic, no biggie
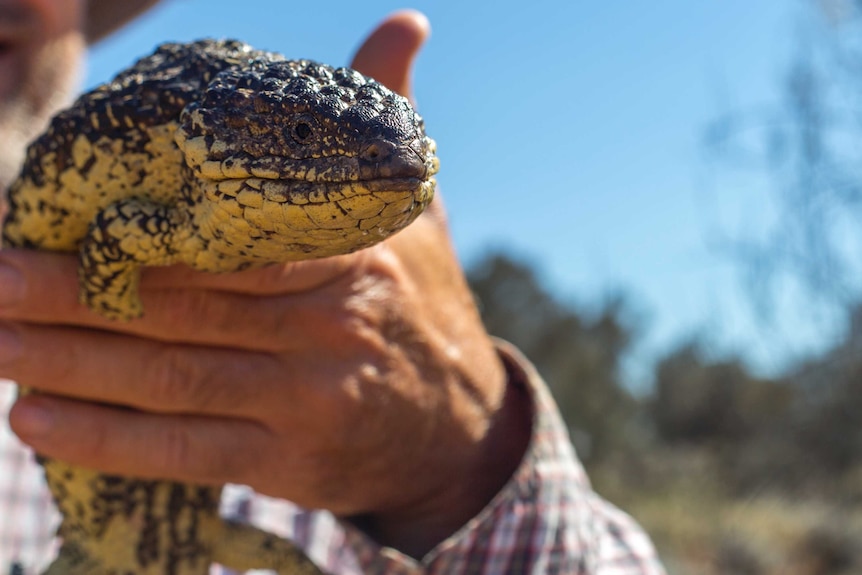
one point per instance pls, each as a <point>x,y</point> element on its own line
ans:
<point>398,169</point>
<point>255,192</point>
<point>293,191</point>
<point>377,160</point>
<point>344,186</point>
<point>338,216</point>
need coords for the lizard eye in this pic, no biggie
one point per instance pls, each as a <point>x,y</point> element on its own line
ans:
<point>302,129</point>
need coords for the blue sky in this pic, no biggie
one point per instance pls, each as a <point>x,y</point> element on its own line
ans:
<point>571,134</point>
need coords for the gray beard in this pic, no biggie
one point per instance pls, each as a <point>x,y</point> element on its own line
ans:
<point>25,115</point>
<point>17,128</point>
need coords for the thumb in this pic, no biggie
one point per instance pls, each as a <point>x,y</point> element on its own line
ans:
<point>387,54</point>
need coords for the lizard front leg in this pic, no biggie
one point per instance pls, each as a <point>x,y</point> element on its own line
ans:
<point>123,237</point>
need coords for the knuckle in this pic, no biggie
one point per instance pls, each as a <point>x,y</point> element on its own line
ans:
<point>196,453</point>
<point>191,379</point>
<point>180,310</point>
<point>175,379</point>
<point>175,453</point>
<point>240,465</point>
<point>193,314</point>
<point>272,279</point>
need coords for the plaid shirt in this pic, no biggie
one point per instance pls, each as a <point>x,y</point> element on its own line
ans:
<point>547,518</point>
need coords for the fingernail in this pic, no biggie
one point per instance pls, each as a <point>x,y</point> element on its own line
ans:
<point>11,285</point>
<point>31,421</point>
<point>10,344</point>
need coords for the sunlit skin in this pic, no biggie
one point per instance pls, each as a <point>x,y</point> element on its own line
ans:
<point>41,47</point>
<point>364,384</point>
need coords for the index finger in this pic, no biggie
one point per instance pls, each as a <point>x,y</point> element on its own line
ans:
<point>42,288</point>
<point>271,279</point>
<point>57,272</point>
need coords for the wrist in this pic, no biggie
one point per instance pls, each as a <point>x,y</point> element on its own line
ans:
<point>467,476</point>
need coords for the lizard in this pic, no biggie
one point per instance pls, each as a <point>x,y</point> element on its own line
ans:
<point>222,157</point>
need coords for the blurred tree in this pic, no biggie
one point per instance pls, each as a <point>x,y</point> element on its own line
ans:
<point>714,438</point>
<point>809,147</point>
<point>797,433</point>
<point>741,422</point>
<point>827,424</point>
<point>578,353</point>
<point>717,403</point>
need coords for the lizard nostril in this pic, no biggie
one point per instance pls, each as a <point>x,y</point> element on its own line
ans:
<point>377,151</point>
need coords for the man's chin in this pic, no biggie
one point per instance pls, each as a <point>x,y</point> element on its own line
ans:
<point>17,127</point>
<point>50,86</point>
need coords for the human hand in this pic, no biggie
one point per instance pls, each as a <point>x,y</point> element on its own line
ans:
<point>363,384</point>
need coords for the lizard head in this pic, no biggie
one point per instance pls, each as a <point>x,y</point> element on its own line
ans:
<point>326,158</point>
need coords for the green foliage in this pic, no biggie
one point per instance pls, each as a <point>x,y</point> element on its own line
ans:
<point>827,420</point>
<point>717,403</point>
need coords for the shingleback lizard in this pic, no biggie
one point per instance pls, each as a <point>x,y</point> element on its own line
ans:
<point>221,157</point>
